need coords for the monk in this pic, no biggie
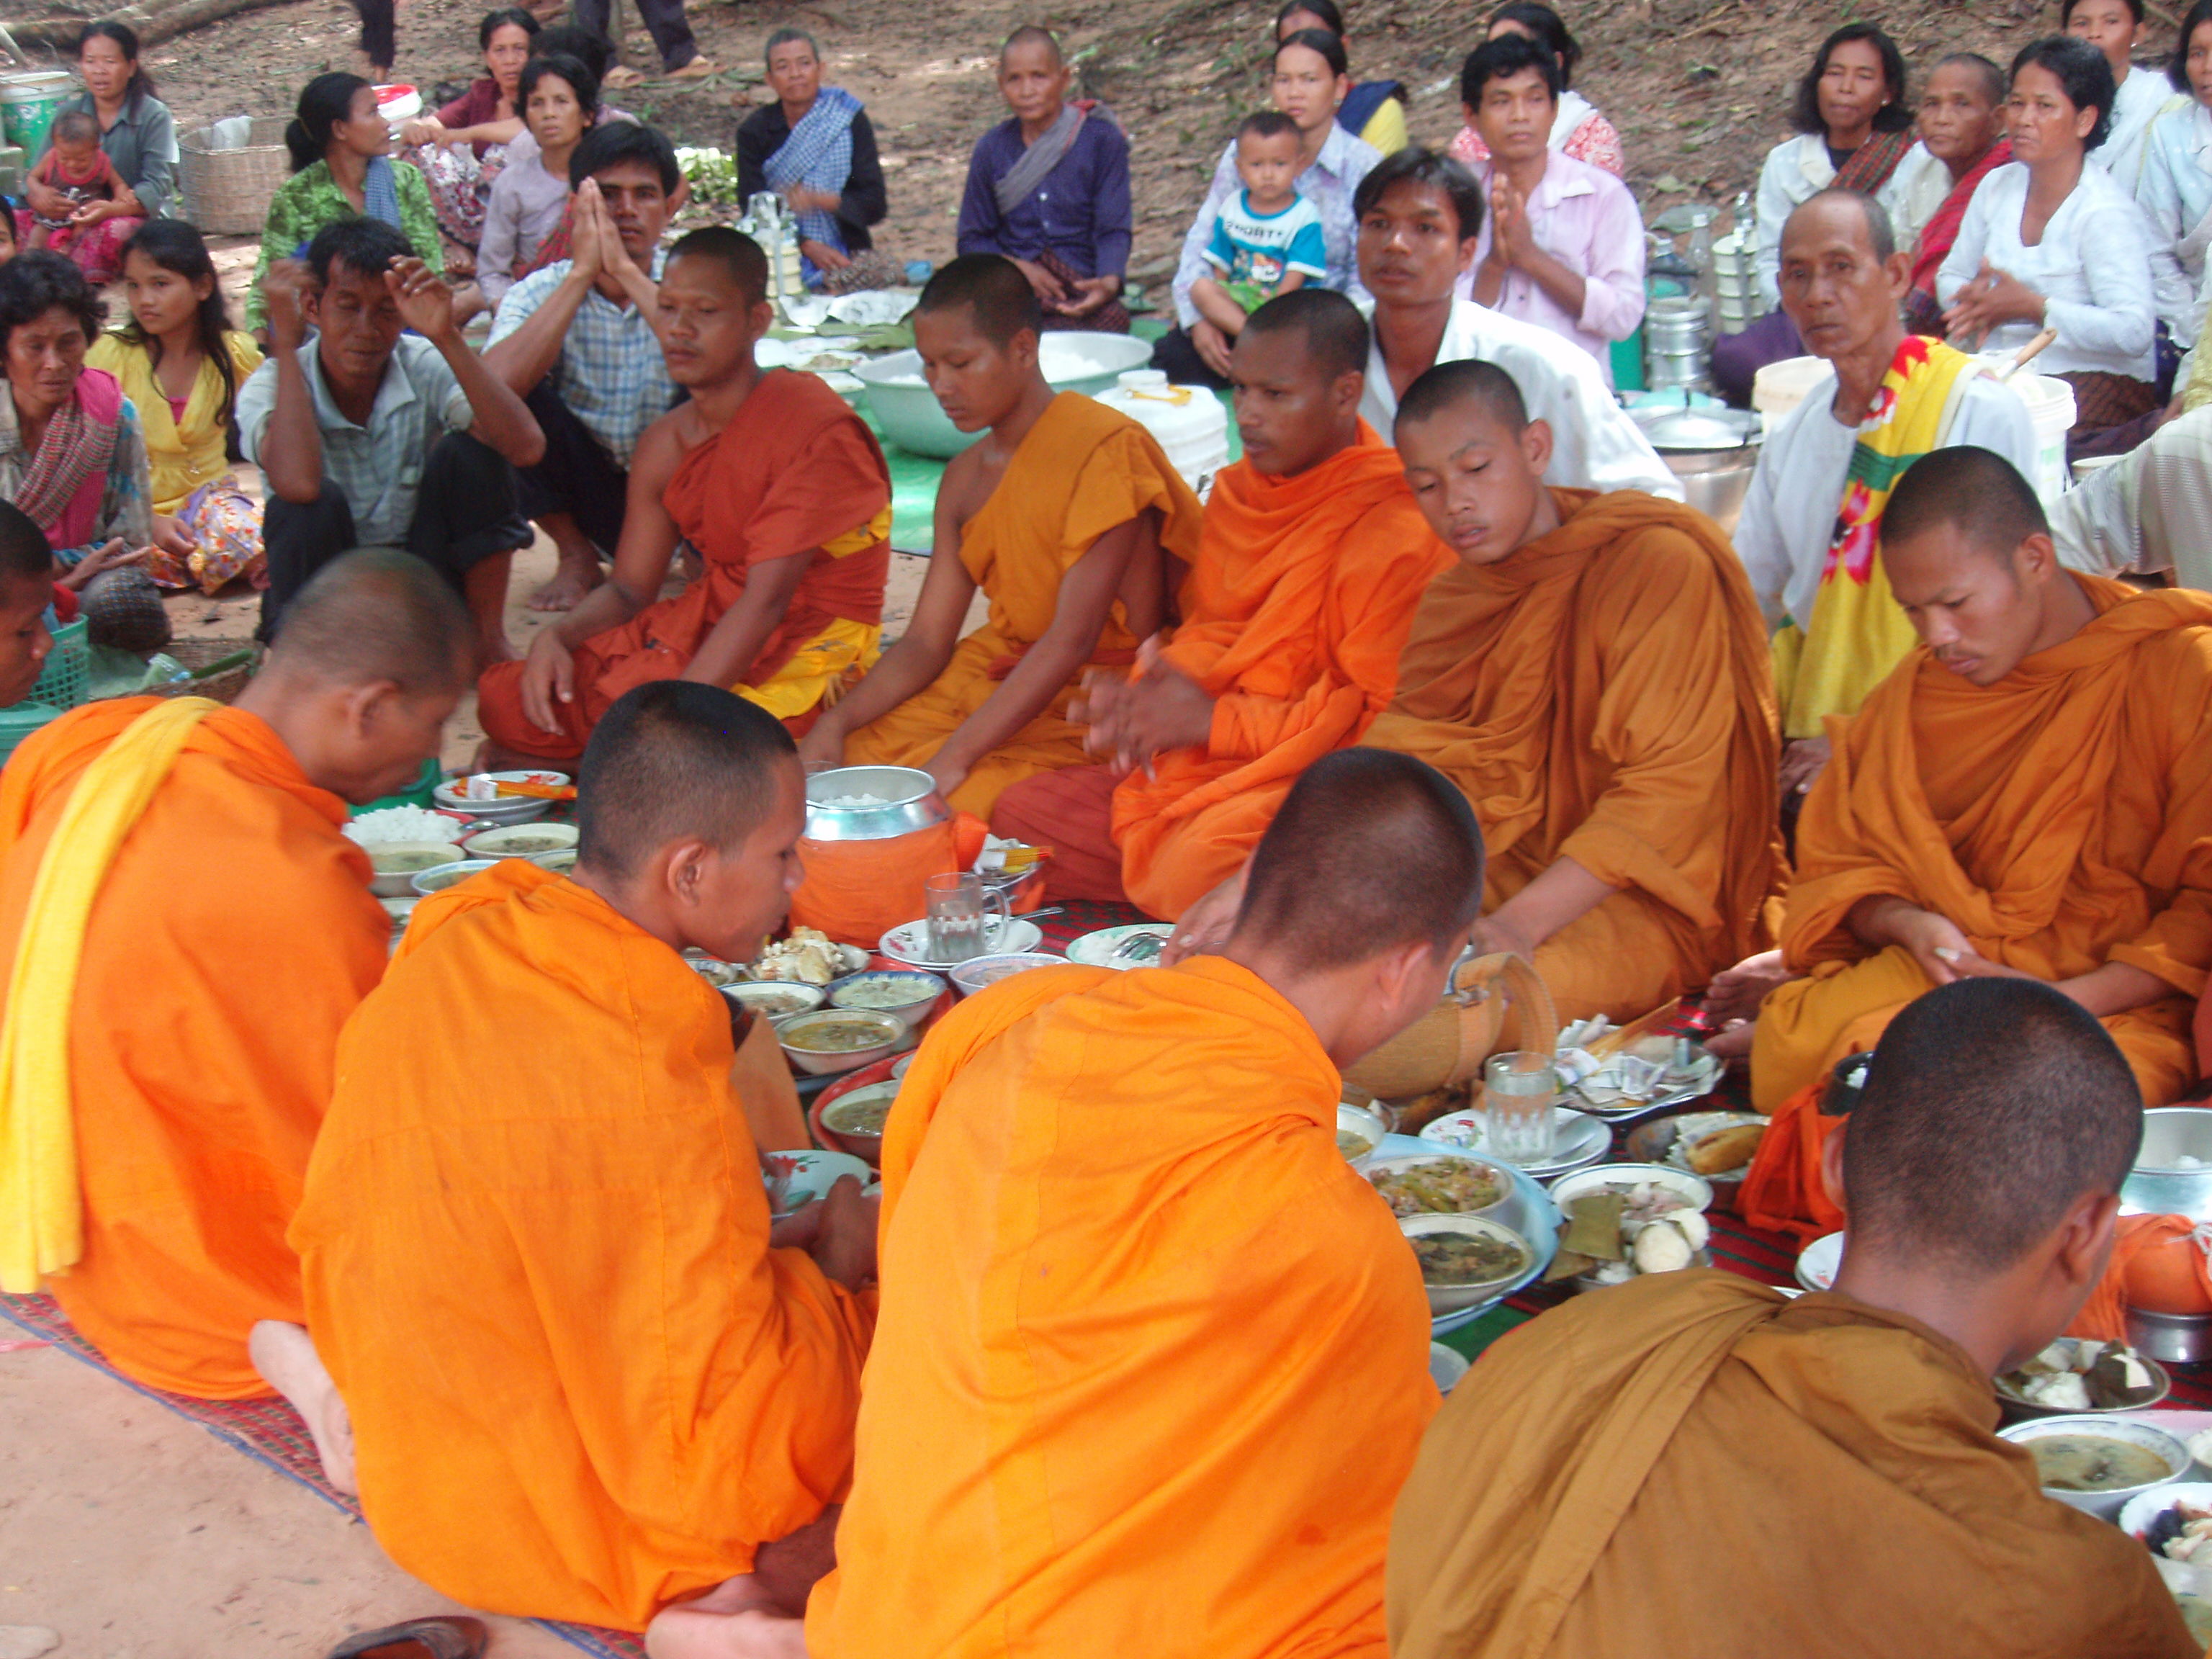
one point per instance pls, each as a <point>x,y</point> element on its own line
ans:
<point>1066,515</point>
<point>1310,561</point>
<point>584,1377</point>
<point>2027,795</point>
<point>1135,1302</point>
<point>1690,1464</point>
<point>780,488</point>
<point>26,588</point>
<point>187,929</point>
<point>1592,674</point>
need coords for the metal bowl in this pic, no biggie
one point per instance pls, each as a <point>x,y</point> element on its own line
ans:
<point>1712,451</point>
<point>908,797</point>
<point>2159,1184</point>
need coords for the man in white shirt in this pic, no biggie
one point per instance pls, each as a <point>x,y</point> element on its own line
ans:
<point>1843,276</point>
<point>1419,225</point>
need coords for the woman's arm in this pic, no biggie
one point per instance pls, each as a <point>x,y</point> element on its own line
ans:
<point>155,187</point>
<point>502,230</point>
<point>1192,264</point>
<point>865,200</point>
<point>126,503</point>
<point>418,218</point>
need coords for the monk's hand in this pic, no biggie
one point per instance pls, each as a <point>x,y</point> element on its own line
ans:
<point>1803,760</point>
<point>1494,935</point>
<point>845,1247</point>
<point>1162,709</point>
<point>949,773</point>
<point>824,257</point>
<point>426,304</point>
<point>1935,942</point>
<point>1212,346</point>
<point>825,746</point>
<point>549,677</point>
<point>1205,926</point>
<point>284,291</point>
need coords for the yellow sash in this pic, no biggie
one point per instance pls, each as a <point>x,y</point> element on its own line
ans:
<point>1857,632</point>
<point>41,1209</point>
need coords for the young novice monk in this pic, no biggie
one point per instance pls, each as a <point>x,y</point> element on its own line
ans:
<point>169,1144</point>
<point>26,588</point>
<point>778,485</point>
<point>584,1379</point>
<point>1579,1484</point>
<point>1132,1295</point>
<point>1312,559</point>
<point>1067,516</point>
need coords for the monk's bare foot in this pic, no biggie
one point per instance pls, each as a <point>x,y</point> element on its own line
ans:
<point>287,1361</point>
<point>494,646</point>
<point>577,575</point>
<point>1735,993</point>
<point>738,1619</point>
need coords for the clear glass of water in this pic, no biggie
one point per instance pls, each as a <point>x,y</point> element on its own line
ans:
<point>965,919</point>
<point>1519,1089</point>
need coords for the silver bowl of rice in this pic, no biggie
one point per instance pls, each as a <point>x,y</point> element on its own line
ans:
<point>871,803</point>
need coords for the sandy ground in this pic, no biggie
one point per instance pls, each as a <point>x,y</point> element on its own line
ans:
<point>136,1534</point>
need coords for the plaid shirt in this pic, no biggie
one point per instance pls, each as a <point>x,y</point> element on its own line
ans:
<point>611,373</point>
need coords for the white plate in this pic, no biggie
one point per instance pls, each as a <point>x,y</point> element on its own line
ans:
<point>1580,1137</point>
<point>1095,950</point>
<point>908,942</point>
<point>1819,1262</point>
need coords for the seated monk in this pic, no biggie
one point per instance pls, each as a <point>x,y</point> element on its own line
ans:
<point>584,1375</point>
<point>26,588</point>
<point>1310,561</point>
<point>1133,1296</point>
<point>187,862</point>
<point>2027,795</point>
<point>1593,675</point>
<point>781,488</point>
<point>1067,516</point>
<point>1582,1488</point>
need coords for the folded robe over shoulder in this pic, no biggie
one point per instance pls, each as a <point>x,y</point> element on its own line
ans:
<point>1604,694</point>
<point>1690,1464</point>
<point>2061,818</point>
<point>1083,469</point>
<point>1294,616</point>
<point>795,471</point>
<point>536,1245</point>
<point>1152,1361</point>
<point>233,936</point>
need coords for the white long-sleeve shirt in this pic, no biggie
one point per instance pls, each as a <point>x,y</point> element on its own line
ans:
<point>1797,169</point>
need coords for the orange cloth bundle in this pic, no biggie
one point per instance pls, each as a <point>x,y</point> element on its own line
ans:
<point>1782,1190</point>
<point>2160,1263</point>
<point>856,891</point>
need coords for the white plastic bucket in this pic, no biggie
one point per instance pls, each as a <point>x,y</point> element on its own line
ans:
<point>2051,410</point>
<point>1188,422</point>
<point>29,104</point>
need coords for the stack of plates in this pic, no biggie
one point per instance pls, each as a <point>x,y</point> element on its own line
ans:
<point>1580,1140</point>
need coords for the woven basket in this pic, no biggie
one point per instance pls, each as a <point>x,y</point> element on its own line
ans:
<point>196,655</point>
<point>227,192</point>
<point>1446,1047</point>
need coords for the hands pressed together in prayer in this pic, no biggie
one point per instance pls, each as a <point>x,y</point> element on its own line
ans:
<point>1133,718</point>
<point>1992,298</point>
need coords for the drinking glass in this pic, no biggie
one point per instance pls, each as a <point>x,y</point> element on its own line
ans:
<point>958,904</point>
<point>1518,1090</point>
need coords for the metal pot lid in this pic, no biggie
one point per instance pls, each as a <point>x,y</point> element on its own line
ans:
<point>1698,428</point>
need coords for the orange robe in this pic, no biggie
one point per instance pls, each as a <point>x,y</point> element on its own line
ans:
<point>1688,1463</point>
<point>1082,471</point>
<point>234,935</point>
<point>1152,1360</point>
<point>795,471</point>
<point>1605,694</point>
<point>1292,621</point>
<point>536,1245</point>
<point>2059,818</point>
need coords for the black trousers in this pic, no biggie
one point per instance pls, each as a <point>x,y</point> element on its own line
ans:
<point>468,510</point>
<point>379,38</point>
<point>577,477</point>
<point>663,20</point>
<point>1175,354</point>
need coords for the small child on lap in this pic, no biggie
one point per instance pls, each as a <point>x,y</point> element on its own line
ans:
<point>76,168</point>
<point>1267,238</point>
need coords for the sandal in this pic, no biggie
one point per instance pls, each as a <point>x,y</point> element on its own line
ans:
<point>622,75</point>
<point>697,69</point>
<point>444,1638</point>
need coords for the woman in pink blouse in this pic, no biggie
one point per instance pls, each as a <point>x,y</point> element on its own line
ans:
<point>1580,131</point>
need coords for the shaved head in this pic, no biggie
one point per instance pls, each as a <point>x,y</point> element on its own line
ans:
<point>1030,34</point>
<point>1974,493</point>
<point>1335,333</point>
<point>994,292</point>
<point>1370,850</point>
<point>736,253</point>
<point>377,615</point>
<point>1469,383</point>
<point>25,554</point>
<point>1992,1106</point>
<point>675,761</point>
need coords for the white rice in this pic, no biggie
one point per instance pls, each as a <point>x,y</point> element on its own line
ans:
<point>404,823</point>
<point>848,801</point>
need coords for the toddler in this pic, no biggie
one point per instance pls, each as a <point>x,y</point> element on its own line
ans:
<point>1267,238</point>
<point>79,170</point>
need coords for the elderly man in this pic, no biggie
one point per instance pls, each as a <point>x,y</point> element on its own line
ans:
<point>1420,227</point>
<point>1812,517</point>
<point>1962,141</point>
<point>1573,1496</point>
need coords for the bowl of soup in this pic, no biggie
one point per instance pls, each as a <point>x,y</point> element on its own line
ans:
<point>1358,1132</point>
<point>2098,1463</point>
<point>1464,1259</point>
<point>773,998</point>
<point>451,873</point>
<point>840,1039</point>
<point>906,993</point>
<point>396,863</point>
<point>521,840</point>
<point>855,1118</point>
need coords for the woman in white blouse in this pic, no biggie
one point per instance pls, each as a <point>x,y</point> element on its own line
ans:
<point>2175,185</point>
<point>2115,27</point>
<point>2052,241</point>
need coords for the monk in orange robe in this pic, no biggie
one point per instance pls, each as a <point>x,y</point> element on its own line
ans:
<point>1066,515</point>
<point>2029,793</point>
<point>230,931</point>
<point>1152,1359</point>
<point>26,588</point>
<point>1311,560</point>
<point>781,488</point>
<point>1689,1463</point>
<point>584,1375</point>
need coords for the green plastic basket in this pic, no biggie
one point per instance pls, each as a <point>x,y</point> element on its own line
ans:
<point>19,722</point>
<point>61,685</point>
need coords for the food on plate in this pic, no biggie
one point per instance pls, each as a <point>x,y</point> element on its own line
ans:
<point>443,879</point>
<point>1618,1230</point>
<point>862,1113</point>
<point>882,991</point>
<point>520,844</point>
<point>715,973</point>
<point>1467,1258</point>
<point>2080,1374</point>
<point>774,1004</point>
<point>1352,1146</point>
<point>809,956</point>
<point>2178,1533</point>
<point>1725,1150</point>
<point>396,863</point>
<point>2093,1462</point>
<point>404,823</point>
<point>1450,1186</point>
<point>837,1036</point>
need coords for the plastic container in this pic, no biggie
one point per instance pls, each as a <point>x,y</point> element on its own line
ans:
<point>1781,386</point>
<point>2050,409</point>
<point>1189,422</point>
<point>29,104</point>
<point>62,683</point>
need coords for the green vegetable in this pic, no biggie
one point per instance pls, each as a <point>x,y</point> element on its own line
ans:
<point>712,174</point>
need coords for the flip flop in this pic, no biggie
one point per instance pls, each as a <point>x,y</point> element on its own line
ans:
<point>697,69</point>
<point>450,1636</point>
<point>622,75</point>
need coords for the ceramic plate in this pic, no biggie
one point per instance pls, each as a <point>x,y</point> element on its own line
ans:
<point>1817,1265</point>
<point>1529,1211</point>
<point>1580,1139</point>
<point>908,942</point>
<point>1095,950</point>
